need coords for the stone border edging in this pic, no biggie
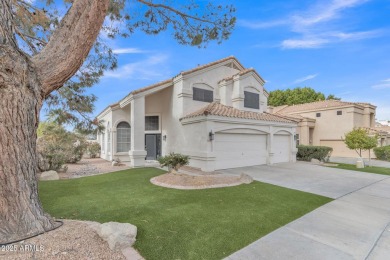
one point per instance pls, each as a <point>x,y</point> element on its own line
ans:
<point>179,187</point>
<point>241,180</point>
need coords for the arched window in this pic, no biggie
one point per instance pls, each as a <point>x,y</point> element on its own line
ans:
<point>123,137</point>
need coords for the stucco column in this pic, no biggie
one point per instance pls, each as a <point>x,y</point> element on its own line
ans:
<point>270,140</point>
<point>113,142</point>
<point>137,123</point>
<point>111,152</point>
<point>238,93</point>
<point>294,150</point>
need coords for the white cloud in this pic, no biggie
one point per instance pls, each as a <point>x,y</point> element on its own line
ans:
<point>151,68</point>
<point>323,12</point>
<point>320,40</point>
<point>306,78</point>
<point>355,35</point>
<point>383,85</point>
<point>127,51</point>
<point>314,26</point>
<point>303,43</point>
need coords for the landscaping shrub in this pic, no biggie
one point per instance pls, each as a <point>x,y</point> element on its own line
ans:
<point>93,149</point>
<point>382,153</point>
<point>174,161</point>
<point>308,152</point>
<point>56,146</point>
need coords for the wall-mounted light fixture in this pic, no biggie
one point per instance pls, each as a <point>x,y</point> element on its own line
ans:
<point>211,136</point>
<point>165,137</point>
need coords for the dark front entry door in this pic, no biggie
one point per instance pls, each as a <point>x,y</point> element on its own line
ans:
<point>153,146</point>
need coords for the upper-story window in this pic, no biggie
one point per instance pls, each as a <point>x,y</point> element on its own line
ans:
<point>318,115</point>
<point>339,112</point>
<point>203,95</point>
<point>152,123</point>
<point>252,100</point>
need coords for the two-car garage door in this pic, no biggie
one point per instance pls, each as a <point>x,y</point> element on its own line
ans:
<point>239,150</point>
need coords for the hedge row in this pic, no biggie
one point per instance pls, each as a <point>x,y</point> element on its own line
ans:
<point>382,153</point>
<point>308,152</point>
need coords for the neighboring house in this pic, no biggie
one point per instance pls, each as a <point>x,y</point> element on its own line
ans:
<point>214,113</point>
<point>383,131</point>
<point>383,123</point>
<point>326,123</point>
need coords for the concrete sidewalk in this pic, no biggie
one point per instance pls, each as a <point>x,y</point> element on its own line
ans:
<point>354,226</point>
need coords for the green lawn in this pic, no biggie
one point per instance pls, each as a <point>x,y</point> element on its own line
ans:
<point>371,169</point>
<point>177,224</point>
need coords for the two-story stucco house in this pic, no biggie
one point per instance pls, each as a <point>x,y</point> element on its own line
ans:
<point>215,113</point>
<point>326,123</point>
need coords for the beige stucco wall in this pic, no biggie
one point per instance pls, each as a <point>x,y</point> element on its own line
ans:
<point>329,129</point>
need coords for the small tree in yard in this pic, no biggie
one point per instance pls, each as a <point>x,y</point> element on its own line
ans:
<point>173,161</point>
<point>360,140</point>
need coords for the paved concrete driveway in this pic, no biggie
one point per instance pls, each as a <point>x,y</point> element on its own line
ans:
<point>325,181</point>
<point>354,226</point>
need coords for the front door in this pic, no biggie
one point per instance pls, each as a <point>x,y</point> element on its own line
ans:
<point>153,146</point>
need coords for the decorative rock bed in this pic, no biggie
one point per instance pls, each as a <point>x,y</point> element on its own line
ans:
<point>78,240</point>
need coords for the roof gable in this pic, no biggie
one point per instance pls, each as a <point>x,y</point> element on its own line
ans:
<point>230,61</point>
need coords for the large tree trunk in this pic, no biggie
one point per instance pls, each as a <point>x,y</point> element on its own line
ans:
<point>24,83</point>
<point>21,213</point>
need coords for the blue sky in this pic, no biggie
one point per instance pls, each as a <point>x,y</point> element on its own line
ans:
<point>339,47</point>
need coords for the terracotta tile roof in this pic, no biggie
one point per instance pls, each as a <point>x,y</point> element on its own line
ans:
<point>243,72</point>
<point>295,118</point>
<point>114,104</point>
<point>210,64</point>
<point>384,128</point>
<point>374,130</point>
<point>151,86</point>
<point>217,109</point>
<point>319,105</point>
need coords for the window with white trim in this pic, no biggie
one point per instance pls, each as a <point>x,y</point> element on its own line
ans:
<point>123,137</point>
<point>152,123</point>
<point>251,100</point>
<point>203,95</point>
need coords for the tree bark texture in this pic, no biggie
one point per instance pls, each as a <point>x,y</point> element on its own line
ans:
<point>21,214</point>
<point>24,84</point>
<point>70,43</point>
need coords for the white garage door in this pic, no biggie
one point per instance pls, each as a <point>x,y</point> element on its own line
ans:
<point>281,148</point>
<point>239,150</point>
